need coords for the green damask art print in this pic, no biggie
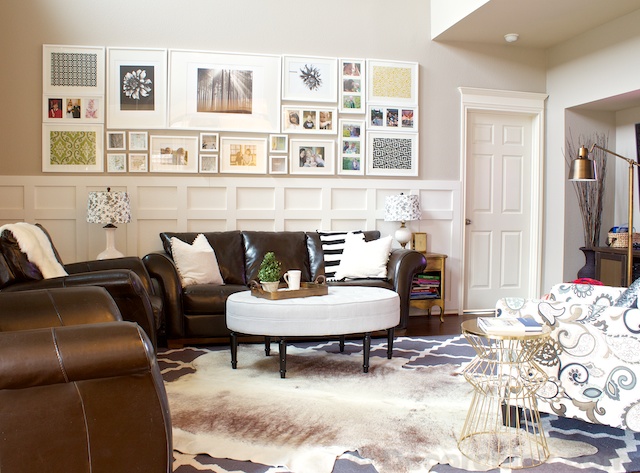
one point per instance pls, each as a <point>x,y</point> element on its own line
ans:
<point>73,148</point>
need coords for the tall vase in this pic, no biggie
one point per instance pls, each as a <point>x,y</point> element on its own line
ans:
<point>589,269</point>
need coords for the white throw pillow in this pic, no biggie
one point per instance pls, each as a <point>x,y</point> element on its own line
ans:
<point>196,263</point>
<point>364,259</point>
<point>332,247</point>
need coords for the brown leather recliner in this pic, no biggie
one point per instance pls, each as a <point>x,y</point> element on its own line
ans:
<point>126,279</point>
<point>78,398</point>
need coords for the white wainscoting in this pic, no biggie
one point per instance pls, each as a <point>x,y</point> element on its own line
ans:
<point>197,203</point>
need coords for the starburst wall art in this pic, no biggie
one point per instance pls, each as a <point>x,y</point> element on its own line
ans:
<point>310,79</point>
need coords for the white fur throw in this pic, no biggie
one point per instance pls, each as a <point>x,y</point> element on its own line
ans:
<point>34,243</point>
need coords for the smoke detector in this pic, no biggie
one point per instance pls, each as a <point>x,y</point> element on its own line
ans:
<point>511,37</point>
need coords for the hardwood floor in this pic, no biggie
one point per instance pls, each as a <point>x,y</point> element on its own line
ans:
<point>421,324</point>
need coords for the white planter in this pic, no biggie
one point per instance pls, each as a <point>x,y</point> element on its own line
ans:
<point>270,286</point>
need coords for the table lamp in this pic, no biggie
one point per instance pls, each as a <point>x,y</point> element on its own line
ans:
<point>109,208</point>
<point>584,169</point>
<point>402,208</point>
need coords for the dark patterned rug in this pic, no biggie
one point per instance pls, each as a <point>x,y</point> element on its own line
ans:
<point>610,449</point>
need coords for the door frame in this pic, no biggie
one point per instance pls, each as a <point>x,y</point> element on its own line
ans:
<point>517,103</point>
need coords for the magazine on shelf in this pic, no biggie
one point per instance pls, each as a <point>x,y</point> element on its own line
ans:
<point>509,325</point>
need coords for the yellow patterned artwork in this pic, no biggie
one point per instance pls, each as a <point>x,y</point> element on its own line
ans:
<point>392,82</point>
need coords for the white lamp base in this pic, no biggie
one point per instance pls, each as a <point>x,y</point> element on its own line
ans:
<point>111,251</point>
<point>403,235</point>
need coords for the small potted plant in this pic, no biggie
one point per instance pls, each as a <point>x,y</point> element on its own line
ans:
<point>269,273</point>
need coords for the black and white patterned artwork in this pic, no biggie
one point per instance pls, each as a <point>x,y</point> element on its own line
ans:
<point>392,153</point>
<point>74,69</point>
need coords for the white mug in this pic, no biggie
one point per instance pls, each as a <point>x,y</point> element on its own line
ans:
<point>292,278</point>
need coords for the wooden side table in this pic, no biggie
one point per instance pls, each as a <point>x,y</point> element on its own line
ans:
<point>503,427</point>
<point>436,266</point>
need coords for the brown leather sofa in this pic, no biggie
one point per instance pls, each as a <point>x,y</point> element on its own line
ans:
<point>126,280</point>
<point>196,314</point>
<point>80,389</point>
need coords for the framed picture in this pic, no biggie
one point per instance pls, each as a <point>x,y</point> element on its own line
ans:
<point>392,154</point>
<point>137,88</point>
<point>392,82</point>
<point>209,142</point>
<point>138,141</point>
<point>310,79</point>
<point>173,154</point>
<point>277,164</point>
<point>279,143</point>
<point>138,162</point>
<point>116,141</point>
<point>312,157</point>
<point>243,155</point>
<point>352,147</point>
<point>392,118</point>
<point>209,163</point>
<point>419,242</point>
<point>72,148</point>
<point>352,85</point>
<point>72,109</point>
<point>311,120</point>
<point>226,92</point>
<point>72,70</point>
<point>116,162</point>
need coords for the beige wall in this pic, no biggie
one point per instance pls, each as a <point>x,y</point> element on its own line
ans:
<point>362,28</point>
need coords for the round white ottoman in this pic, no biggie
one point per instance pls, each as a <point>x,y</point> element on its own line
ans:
<point>345,310</point>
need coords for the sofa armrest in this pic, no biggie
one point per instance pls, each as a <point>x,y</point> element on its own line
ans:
<point>132,263</point>
<point>123,285</point>
<point>164,275</point>
<point>402,267</point>
<point>26,310</point>
<point>585,293</point>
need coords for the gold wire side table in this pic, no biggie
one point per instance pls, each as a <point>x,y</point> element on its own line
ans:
<point>503,427</point>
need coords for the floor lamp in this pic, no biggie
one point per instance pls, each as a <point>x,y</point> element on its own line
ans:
<point>109,208</point>
<point>584,169</point>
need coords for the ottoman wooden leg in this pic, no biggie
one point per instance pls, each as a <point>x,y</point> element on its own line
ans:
<point>341,343</point>
<point>234,350</point>
<point>390,334</point>
<point>267,346</point>
<point>366,348</point>
<point>283,356</point>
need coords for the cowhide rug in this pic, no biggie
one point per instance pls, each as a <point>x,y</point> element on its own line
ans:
<point>404,418</point>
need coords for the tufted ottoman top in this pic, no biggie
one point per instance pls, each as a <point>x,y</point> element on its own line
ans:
<point>343,311</point>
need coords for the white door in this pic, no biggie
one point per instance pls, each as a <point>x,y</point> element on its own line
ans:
<point>497,208</point>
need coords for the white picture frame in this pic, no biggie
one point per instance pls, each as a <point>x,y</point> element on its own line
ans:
<point>392,154</point>
<point>209,142</point>
<point>311,119</point>
<point>310,79</point>
<point>116,140</point>
<point>173,154</point>
<point>73,109</point>
<point>392,82</point>
<point>72,148</point>
<point>73,70</point>
<point>392,118</point>
<point>138,141</point>
<point>240,155</point>
<point>279,143</point>
<point>138,162</point>
<point>318,157</point>
<point>278,164</point>
<point>116,162</point>
<point>208,163</point>
<point>351,148</point>
<point>137,88</point>
<point>352,84</point>
<point>203,104</point>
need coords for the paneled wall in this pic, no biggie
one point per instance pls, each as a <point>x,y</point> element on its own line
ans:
<point>197,203</point>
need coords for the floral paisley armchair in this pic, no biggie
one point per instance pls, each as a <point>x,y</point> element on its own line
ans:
<point>593,357</point>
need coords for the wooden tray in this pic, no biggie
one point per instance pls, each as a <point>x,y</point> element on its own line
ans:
<point>307,289</point>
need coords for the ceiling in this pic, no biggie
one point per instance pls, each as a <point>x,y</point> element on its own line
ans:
<point>540,23</point>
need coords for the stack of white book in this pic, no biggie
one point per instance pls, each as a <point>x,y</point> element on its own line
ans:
<point>509,325</point>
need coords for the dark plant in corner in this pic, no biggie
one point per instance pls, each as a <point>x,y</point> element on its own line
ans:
<point>269,268</point>
<point>590,194</point>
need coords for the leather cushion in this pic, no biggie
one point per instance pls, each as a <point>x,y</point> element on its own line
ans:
<point>205,299</point>
<point>290,249</point>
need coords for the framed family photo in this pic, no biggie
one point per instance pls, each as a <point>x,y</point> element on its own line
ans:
<point>72,148</point>
<point>73,70</point>
<point>173,154</point>
<point>225,92</point>
<point>352,147</point>
<point>392,154</point>
<point>243,155</point>
<point>392,82</point>
<point>137,88</point>
<point>310,79</point>
<point>309,119</point>
<point>352,85</point>
<point>313,157</point>
<point>392,118</point>
<point>209,142</point>
<point>73,109</point>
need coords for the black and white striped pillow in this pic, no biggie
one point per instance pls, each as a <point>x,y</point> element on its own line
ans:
<point>332,247</point>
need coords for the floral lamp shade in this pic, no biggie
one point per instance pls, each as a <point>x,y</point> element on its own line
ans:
<point>402,208</point>
<point>108,207</point>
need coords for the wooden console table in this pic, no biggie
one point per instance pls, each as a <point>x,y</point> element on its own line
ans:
<point>435,269</point>
<point>611,265</point>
